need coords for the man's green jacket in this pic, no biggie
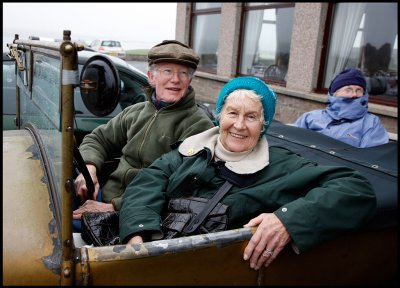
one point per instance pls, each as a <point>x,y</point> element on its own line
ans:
<point>139,135</point>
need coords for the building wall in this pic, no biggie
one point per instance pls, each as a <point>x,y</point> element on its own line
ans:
<point>306,45</point>
<point>305,53</point>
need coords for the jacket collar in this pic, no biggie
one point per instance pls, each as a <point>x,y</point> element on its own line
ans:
<point>187,101</point>
<point>253,162</point>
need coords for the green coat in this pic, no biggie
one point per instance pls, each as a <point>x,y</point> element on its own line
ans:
<point>141,134</point>
<point>315,203</point>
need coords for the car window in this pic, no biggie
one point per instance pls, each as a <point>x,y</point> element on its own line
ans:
<point>111,43</point>
<point>94,43</point>
<point>131,91</point>
<point>9,87</point>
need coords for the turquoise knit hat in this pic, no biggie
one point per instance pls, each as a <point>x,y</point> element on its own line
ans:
<point>268,97</point>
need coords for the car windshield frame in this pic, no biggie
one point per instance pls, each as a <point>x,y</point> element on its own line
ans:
<point>48,114</point>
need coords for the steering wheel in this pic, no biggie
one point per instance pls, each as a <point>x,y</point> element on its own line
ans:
<point>81,167</point>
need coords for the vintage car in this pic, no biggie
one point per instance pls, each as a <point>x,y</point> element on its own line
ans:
<point>40,248</point>
<point>132,82</point>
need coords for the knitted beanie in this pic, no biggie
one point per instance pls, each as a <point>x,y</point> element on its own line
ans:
<point>348,77</point>
<point>268,96</point>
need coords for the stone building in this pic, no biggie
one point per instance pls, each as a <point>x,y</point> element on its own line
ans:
<point>297,48</point>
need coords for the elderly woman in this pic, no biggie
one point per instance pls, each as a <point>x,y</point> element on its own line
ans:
<point>290,199</point>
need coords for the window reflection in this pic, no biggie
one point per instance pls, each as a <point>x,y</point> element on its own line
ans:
<point>266,43</point>
<point>9,106</point>
<point>207,5</point>
<point>205,34</point>
<point>364,36</point>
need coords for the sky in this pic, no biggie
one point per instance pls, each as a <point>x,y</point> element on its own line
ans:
<point>135,25</point>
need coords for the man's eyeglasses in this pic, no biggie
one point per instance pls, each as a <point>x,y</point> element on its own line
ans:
<point>348,91</point>
<point>169,73</point>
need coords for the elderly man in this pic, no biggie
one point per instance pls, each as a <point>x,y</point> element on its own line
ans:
<point>144,131</point>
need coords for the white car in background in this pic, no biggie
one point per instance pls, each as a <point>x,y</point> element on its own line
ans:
<point>109,47</point>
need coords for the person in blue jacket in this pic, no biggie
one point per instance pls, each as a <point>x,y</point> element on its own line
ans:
<point>346,117</point>
<point>289,199</point>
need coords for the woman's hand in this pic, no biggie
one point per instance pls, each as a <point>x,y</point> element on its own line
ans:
<point>267,242</point>
<point>80,184</point>
<point>136,240</point>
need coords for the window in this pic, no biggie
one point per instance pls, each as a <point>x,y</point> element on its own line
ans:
<point>364,36</point>
<point>266,40</point>
<point>8,85</point>
<point>111,43</point>
<point>206,18</point>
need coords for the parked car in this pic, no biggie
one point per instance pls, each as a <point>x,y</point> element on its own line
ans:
<point>109,47</point>
<point>39,247</point>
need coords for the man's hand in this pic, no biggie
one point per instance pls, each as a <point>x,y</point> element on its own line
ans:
<point>92,206</point>
<point>267,242</point>
<point>80,184</point>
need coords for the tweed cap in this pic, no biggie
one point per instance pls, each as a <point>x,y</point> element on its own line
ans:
<point>175,52</point>
<point>268,96</point>
<point>348,77</point>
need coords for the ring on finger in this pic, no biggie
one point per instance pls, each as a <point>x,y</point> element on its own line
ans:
<point>268,252</point>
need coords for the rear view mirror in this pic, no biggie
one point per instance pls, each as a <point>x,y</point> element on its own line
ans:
<point>100,85</point>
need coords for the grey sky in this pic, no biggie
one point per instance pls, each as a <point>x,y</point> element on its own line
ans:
<point>136,25</point>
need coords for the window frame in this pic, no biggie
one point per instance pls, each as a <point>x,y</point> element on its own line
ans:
<point>198,12</point>
<point>246,8</point>
<point>377,99</point>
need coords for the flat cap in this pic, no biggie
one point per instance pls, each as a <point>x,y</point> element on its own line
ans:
<point>175,52</point>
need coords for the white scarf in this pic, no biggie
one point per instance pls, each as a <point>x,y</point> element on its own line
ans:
<point>247,162</point>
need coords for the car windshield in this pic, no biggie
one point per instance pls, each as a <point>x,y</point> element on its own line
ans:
<point>8,86</point>
<point>111,44</point>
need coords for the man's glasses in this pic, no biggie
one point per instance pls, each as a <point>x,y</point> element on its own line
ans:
<point>169,73</point>
<point>347,91</point>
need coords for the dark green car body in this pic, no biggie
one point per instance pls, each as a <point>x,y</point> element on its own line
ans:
<point>132,83</point>
<point>9,105</point>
